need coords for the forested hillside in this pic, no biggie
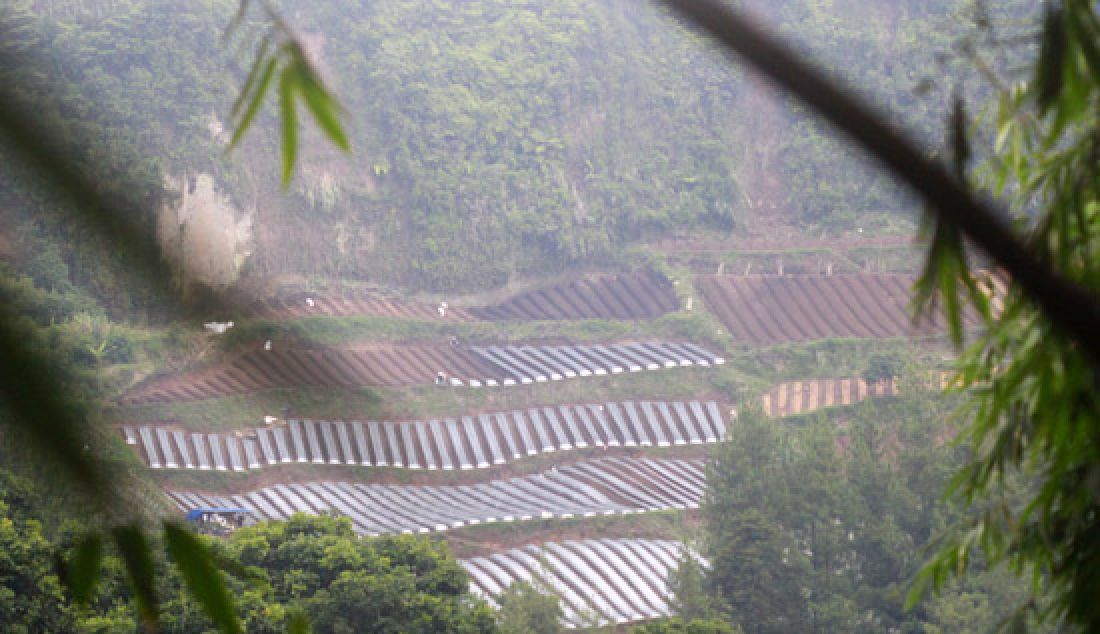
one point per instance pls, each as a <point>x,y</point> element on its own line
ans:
<point>489,138</point>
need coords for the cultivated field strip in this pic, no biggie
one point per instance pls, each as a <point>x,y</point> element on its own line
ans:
<point>808,395</point>
<point>600,581</point>
<point>299,305</point>
<point>258,369</point>
<point>607,296</point>
<point>601,487</point>
<point>460,443</point>
<point>802,397</point>
<point>538,364</point>
<point>770,309</point>
<point>596,296</point>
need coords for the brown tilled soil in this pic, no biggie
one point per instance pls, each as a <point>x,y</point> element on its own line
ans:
<point>607,296</point>
<point>325,304</point>
<point>257,369</point>
<point>767,244</point>
<point>596,296</point>
<point>771,309</point>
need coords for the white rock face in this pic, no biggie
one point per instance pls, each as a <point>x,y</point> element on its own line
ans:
<point>205,236</point>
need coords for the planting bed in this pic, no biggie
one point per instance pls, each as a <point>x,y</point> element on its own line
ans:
<point>586,489</point>
<point>607,296</point>
<point>770,309</point>
<point>802,397</point>
<point>462,442</point>
<point>600,581</point>
<point>303,304</point>
<point>596,296</point>
<point>257,369</point>
<point>792,243</point>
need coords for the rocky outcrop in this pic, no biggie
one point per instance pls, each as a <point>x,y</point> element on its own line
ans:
<point>205,236</point>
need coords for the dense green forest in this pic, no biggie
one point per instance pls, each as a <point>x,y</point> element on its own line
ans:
<point>820,527</point>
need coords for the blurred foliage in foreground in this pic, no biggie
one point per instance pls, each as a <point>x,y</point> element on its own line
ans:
<point>1032,391</point>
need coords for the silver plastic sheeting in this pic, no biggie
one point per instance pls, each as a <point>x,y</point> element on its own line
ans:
<point>599,581</point>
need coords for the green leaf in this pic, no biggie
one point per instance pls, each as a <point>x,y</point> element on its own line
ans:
<point>919,588</point>
<point>253,75</point>
<point>196,565</point>
<point>1052,56</point>
<point>82,572</point>
<point>254,105</point>
<point>288,85</point>
<point>134,549</point>
<point>321,104</point>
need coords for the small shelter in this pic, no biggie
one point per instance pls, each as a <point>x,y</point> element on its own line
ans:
<point>220,520</point>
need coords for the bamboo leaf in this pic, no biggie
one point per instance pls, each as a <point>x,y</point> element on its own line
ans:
<point>82,571</point>
<point>322,106</point>
<point>1085,40</point>
<point>918,589</point>
<point>254,105</point>
<point>253,75</point>
<point>288,85</point>
<point>1052,55</point>
<point>134,549</point>
<point>202,577</point>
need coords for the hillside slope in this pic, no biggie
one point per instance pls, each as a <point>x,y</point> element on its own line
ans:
<point>490,138</point>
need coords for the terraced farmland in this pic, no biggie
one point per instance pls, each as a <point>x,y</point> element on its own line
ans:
<point>608,296</point>
<point>607,581</point>
<point>461,442</point>
<point>600,581</point>
<point>771,309</point>
<point>595,296</point>
<point>302,304</point>
<point>257,369</point>
<point>585,489</point>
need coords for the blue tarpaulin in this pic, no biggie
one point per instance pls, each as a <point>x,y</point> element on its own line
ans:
<point>196,514</point>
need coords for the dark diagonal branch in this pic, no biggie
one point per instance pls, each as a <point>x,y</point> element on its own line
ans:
<point>1071,308</point>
